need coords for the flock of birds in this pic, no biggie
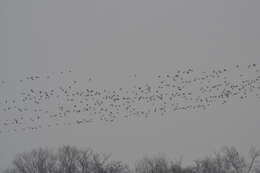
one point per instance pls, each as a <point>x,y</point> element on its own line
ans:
<point>71,104</point>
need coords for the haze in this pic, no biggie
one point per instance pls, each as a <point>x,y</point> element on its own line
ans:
<point>110,40</point>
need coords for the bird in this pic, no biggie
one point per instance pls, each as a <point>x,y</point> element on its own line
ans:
<point>184,90</point>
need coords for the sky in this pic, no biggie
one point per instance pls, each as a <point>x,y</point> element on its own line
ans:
<point>111,40</point>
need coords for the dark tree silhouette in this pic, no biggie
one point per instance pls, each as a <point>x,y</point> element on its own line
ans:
<point>69,159</point>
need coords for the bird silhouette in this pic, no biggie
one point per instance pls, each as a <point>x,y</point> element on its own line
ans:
<point>184,90</point>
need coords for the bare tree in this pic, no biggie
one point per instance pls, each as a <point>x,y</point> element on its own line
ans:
<point>228,161</point>
<point>160,164</point>
<point>117,167</point>
<point>157,164</point>
<point>36,161</point>
<point>254,154</point>
<point>234,159</point>
<point>67,159</point>
<point>73,160</point>
<point>85,160</point>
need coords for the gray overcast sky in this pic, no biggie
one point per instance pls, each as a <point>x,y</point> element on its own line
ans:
<point>115,38</point>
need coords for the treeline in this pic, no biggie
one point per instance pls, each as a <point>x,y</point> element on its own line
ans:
<point>69,159</point>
